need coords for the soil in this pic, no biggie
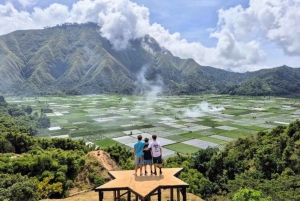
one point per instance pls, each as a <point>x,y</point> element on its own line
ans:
<point>105,160</point>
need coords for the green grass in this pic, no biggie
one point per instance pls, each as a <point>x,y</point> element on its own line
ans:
<point>236,112</point>
<point>182,148</point>
<point>106,143</point>
<point>192,135</point>
<point>235,134</point>
<point>213,140</point>
<point>178,138</point>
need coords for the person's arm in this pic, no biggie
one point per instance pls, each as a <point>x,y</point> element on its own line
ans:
<point>134,150</point>
<point>160,151</point>
<point>149,147</point>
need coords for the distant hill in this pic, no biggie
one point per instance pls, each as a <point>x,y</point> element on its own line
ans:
<point>75,59</point>
<point>277,81</point>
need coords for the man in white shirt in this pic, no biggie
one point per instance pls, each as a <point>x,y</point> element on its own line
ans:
<point>156,153</point>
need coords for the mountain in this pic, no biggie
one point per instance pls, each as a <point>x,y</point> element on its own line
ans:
<point>75,59</point>
<point>277,81</point>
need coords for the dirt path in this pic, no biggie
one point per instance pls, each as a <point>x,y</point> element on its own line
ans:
<point>105,160</point>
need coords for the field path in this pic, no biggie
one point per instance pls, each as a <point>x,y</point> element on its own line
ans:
<point>105,160</point>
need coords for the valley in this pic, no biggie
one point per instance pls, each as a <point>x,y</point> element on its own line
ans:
<point>183,124</point>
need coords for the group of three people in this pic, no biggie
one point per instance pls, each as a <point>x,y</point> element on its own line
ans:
<point>147,154</point>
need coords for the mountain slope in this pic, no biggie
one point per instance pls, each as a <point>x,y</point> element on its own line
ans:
<point>74,58</point>
<point>278,81</point>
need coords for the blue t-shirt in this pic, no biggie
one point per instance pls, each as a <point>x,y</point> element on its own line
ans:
<point>139,147</point>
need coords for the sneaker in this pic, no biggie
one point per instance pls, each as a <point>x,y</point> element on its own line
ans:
<point>141,174</point>
<point>154,173</point>
<point>146,172</point>
<point>134,174</point>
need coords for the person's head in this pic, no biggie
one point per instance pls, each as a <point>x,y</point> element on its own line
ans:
<point>139,137</point>
<point>146,140</point>
<point>154,137</point>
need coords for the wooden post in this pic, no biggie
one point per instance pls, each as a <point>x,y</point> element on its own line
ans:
<point>171,194</point>
<point>100,196</point>
<point>183,194</point>
<point>178,195</point>
<point>159,194</point>
<point>114,192</point>
<point>128,195</point>
<point>118,195</point>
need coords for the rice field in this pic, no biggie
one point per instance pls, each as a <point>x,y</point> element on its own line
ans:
<point>183,124</point>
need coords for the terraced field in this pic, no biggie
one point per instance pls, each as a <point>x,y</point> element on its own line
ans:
<point>182,123</point>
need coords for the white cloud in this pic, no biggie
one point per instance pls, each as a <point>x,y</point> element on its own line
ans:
<point>27,3</point>
<point>270,20</point>
<point>240,32</point>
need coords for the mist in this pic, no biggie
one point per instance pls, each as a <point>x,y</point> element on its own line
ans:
<point>148,88</point>
<point>202,109</point>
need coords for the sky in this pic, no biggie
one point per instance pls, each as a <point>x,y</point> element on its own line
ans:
<point>236,35</point>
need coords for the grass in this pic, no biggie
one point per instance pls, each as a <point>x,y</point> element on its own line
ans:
<point>183,148</point>
<point>235,134</point>
<point>213,140</point>
<point>106,143</point>
<point>192,135</point>
<point>178,138</point>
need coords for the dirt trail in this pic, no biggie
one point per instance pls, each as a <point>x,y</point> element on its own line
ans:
<point>105,160</point>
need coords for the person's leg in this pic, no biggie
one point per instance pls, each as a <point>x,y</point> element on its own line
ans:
<point>159,162</point>
<point>141,161</point>
<point>154,161</point>
<point>136,162</point>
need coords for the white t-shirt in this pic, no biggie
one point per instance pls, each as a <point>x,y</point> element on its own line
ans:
<point>155,147</point>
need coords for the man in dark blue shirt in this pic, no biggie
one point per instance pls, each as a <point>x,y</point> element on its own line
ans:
<point>147,157</point>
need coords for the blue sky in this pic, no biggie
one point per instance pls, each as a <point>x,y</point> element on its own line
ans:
<point>237,35</point>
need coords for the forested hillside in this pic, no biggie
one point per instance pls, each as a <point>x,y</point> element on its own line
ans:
<point>277,81</point>
<point>35,168</point>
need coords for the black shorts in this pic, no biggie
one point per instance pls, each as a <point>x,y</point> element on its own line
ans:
<point>157,160</point>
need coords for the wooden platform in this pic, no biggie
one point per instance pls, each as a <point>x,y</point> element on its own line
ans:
<point>144,186</point>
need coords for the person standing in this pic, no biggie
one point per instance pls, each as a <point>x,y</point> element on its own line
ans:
<point>138,148</point>
<point>147,157</point>
<point>156,154</point>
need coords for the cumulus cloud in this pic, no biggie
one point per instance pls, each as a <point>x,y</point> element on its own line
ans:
<point>240,32</point>
<point>27,3</point>
<point>270,20</point>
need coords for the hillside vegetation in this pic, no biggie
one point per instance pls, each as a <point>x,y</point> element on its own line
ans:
<point>75,59</point>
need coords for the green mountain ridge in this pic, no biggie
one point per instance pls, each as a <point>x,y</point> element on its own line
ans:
<point>74,58</point>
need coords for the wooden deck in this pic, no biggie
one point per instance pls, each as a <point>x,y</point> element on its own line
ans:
<point>144,186</point>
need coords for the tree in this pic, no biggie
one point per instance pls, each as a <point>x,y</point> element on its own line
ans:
<point>247,194</point>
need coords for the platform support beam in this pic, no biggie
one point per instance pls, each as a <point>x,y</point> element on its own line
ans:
<point>183,191</point>
<point>159,194</point>
<point>128,195</point>
<point>178,194</point>
<point>100,196</point>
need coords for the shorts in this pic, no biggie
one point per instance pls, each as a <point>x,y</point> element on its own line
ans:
<point>157,160</point>
<point>148,162</point>
<point>138,160</point>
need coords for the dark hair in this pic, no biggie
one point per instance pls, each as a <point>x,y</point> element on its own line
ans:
<point>139,137</point>
<point>146,139</point>
<point>154,137</point>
